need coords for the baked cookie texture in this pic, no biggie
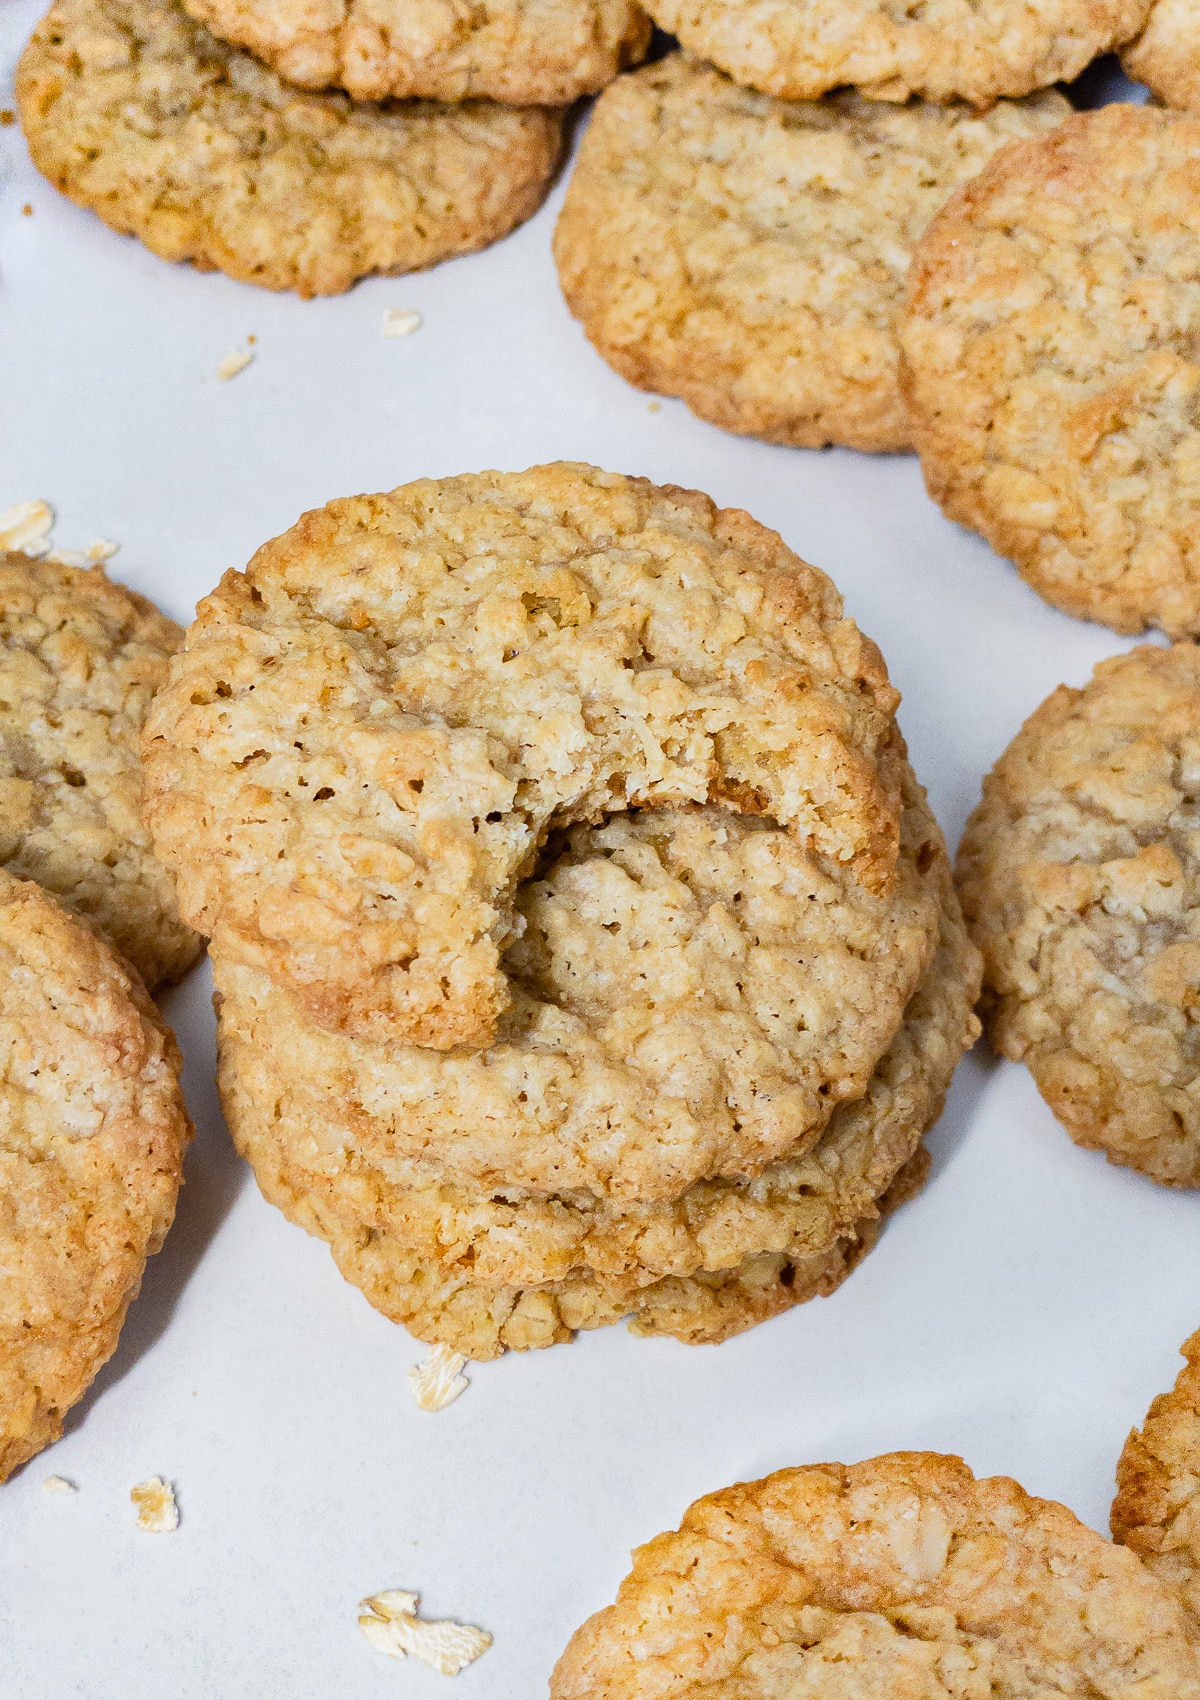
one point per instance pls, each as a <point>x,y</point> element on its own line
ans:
<point>692,995</point>
<point>901,1576</point>
<point>373,730</point>
<point>92,1135</point>
<point>1157,1509</point>
<point>1080,881</point>
<point>889,50</point>
<point>136,111</point>
<point>330,1166</point>
<point>1165,56</point>
<point>749,254</point>
<point>524,52</point>
<point>80,659</point>
<point>1049,363</point>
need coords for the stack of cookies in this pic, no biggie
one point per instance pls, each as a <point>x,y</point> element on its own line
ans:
<point>585,947</point>
<point>432,133</point>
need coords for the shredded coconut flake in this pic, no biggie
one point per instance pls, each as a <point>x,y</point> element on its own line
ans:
<point>26,527</point>
<point>58,1484</point>
<point>158,1513</point>
<point>400,321</point>
<point>233,364</point>
<point>395,1629</point>
<point>438,1381</point>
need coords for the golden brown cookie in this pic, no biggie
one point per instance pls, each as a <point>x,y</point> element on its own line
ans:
<point>372,730</point>
<point>1049,363</point>
<point>1080,880</point>
<point>901,1577</point>
<point>80,659</point>
<point>523,52</point>
<point>943,49</point>
<point>134,110</point>
<point>92,1135</point>
<point>1166,56</point>
<point>1157,1509</point>
<point>748,254</point>
<point>481,1271</point>
<point>692,995</point>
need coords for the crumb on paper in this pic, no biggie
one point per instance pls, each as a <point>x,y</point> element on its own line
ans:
<point>400,321</point>
<point>7,117</point>
<point>438,1381</point>
<point>395,1629</point>
<point>251,340</point>
<point>58,1484</point>
<point>158,1513</point>
<point>654,407</point>
<point>233,364</point>
<point>27,210</point>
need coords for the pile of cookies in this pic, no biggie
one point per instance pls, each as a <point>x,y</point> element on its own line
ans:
<point>584,945</point>
<point>93,1126</point>
<point>448,134</point>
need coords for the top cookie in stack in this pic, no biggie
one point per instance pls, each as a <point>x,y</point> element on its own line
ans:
<point>564,873</point>
<point>132,108</point>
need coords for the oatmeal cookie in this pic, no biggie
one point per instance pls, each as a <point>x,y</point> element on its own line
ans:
<point>1080,879</point>
<point>373,730</point>
<point>1166,56</point>
<point>80,659</point>
<point>507,1236</point>
<point>890,49</point>
<point>902,1576</point>
<point>748,254</point>
<point>1049,363</point>
<point>134,110</point>
<point>91,1150</point>
<point>524,52</point>
<point>1157,1508</point>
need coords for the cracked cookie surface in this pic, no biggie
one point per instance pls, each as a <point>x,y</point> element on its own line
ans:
<point>1080,878</point>
<point>748,254</point>
<point>133,109</point>
<point>901,1576</point>
<point>92,1135</point>
<point>372,731</point>
<point>80,659</point>
<point>1049,363</point>
<point>523,52</point>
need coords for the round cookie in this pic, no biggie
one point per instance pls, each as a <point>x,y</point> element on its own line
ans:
<point>1157,1509</point>
<point>1080,880</point>
<point>1166,56</point>
<point>748,254</point>
<point>944,49</point>
<point>693,994</point>
<point>1049,364</point>
<point>523,52</point>
<point>372,730</point>
<point>902,1576</point>
<point>506,1236</point>
<point>134,110</point>
<point>80,659</point>
<point>91,1150</point>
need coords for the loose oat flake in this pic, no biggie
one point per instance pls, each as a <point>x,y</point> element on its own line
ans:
<point>158,1513</point>
<point>58,1484</point>
<point>395,1629</point>
<point>438,1381</point>
<point>26,527</point>
<point>233,364</point>
<point>400,321</point>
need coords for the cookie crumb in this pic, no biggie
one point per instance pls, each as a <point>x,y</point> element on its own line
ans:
<point>233,364</point>
<point>158,1513</point>
<point>438,1381</point>
<point>27,210</point>
<point>400,321</point>
<point>654,407</point>
<point>395,1629</point>
<point>58,1484</point>
<point>7,118</point>
<point>26,528</point>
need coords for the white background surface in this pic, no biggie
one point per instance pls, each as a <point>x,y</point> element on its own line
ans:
<point>1021,1312</point>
